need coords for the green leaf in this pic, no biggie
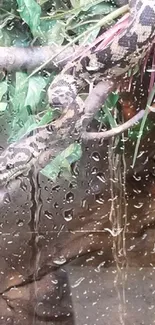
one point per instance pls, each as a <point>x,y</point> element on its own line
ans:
<point>17,98</point>
<point>47,117</point>
<point>20,91</point>
<point>3,106</point>
<point>85,2</point>
<point>142,124</point>
<point>74,152</point>
<point>30,12</point>
<point>52,32</point>
<point>75,3</point>
<point>41,2</point>
<point>8,5</point>
<point>104,115</point>
<point>3,88</point>
<point>62,161</point>
<point>29,126</point>
<point>35,87</point>
<point>4,38</point>
<point>27,94</point>
<point>100,9</point>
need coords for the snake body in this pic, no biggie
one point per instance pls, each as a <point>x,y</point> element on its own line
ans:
<point>124,52</point>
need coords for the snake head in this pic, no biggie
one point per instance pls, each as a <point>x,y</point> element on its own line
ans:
<point>62,92</point>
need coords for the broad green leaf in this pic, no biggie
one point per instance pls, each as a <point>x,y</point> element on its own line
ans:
<point>53,31</point>
<point>35,87</point>
<point>97,7</point>
<point>3,88</point>
<point>30,12</point>
<point>19,93</point>
<point>75,3</point>
<point>74,152</point>
<point>8,5</point>
<point>100,9</point>
<point>47,117</point>
<point>5,39</point>
<point>56,34</point>
<point>3,106</point>
<point>29,125</point>
<point>41,2</point>
<point>85,2</point>
<point>62,161</point>
<point>17,99</point>
<point>32,123</point>
<point>25,98</point>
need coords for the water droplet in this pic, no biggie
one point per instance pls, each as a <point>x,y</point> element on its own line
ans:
<point>1,149</point>
<point>23,186</point>
<point>100,253</point>
<point>68,214</point>
<point>48,215</point>
<point>96,156</point>
<point>56,205</point>
<point>16,234</point>
<point>69,197</point>
<point>49,200</point>
<point>98,269</point>
<point>94,186</point>
<point>93,170</point>
<point>7,198</point>
<point>83,203</point>
<point>56,188</point>
<point>134,217</point>
<point>139,205</point>
<point>75,169</point>
<point>10,27</point>
<point>99,199</point>
<point>73,185</point>
<point>101,177</point>
<point>60,260</point>
<point>78,282</point>
<point>137,177</point>
<point>82,218</point>
<point>20,223</point>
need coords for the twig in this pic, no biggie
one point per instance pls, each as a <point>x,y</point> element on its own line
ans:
<point>114,131</point>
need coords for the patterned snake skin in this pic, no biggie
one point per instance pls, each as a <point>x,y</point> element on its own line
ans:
<point>124,52</point>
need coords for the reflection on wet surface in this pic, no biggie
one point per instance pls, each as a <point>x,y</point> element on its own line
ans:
<point>57,260</point>
<point>67,257</point>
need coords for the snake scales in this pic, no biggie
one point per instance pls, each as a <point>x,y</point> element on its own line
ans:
<point>124,52</point>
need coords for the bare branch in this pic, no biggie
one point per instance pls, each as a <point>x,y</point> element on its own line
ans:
<point>29,58</point>
<point>115,131</point>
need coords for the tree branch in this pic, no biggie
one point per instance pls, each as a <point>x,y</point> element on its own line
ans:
<point>114,131</point>
<point>29,58</point>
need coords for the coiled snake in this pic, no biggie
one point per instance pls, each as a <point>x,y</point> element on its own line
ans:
<point>124,52</point>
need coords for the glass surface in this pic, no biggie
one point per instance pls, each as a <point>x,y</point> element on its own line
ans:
<point>78,249</point>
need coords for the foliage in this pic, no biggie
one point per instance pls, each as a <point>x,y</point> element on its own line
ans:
<point>42,22</point>
<point>62,163</point>
<point>31,22</point>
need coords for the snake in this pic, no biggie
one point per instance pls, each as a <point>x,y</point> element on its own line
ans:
<point>104,66</point>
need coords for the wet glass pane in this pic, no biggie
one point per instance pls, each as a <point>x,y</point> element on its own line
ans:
<point>77,162</point>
